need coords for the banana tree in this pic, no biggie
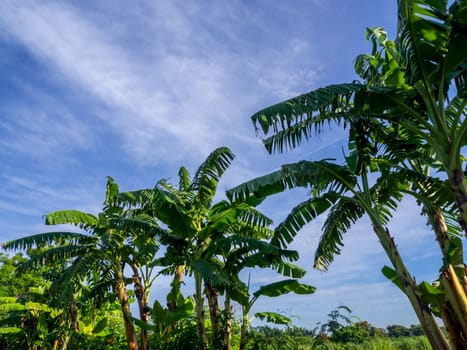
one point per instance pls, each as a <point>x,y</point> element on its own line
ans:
<point>243,244</point>
<point>413,86</point>
<point>417,82</point>
<point>345,194</point>
<point>29,319</point>
<point>104,249</point>
<point>185,210</point>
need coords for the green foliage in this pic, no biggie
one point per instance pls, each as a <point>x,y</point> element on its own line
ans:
<point>350,334</point>
<point>355,337</point>
<point>273,317</point>
<point>284,287</point>
<point>184,336</point>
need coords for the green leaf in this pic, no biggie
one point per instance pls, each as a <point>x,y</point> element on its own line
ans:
<point>12,307</point>
<point>300,215</point>
<point>341,217</point>
<point>112,190</point>
<point>454,257</point>
<point>290,270</point>
<point>10,330</point>
<point>185,308</point>
<point>8,300</point>
<point>74,217</point>
<point>284,287</point>
<point>209,173</point>
<point>142,325</point>
<point>392,276</point>
<point>100,326</point>
<point>159,314</point>
<point>431,294</point>
<point>33,306</point>
<point>41,239</point>
<point>273,317</point>
<point>296,119</point>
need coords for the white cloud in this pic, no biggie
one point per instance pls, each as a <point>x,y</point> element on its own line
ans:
<point>189,90</point>
<point>41,135</point>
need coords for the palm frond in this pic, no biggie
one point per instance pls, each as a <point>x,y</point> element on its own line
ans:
<point>236,217</point>
<point>273,317</point>
<point>47,238</point>
<point>321,176</point>
<point>422,40</point>
<point>184,182</point>
<point>254,217</point>
<point>172,208</point>
<point>290,270</point>
<point>11,307</point>
<point>220,217</point>
<point>78,218</point>
<point>137,224</point>
<point>53,255</point>
<point>456,56</point>
<point>426,189</point>
<point>136,198</point>
<point>341,217</point>
<point>301,215</point>
<point>209,173</point>
<point>71,279</point>
<point>293,136</point>
<point>296,118</point>
<point>318,175</point>
<point>293,111</point>
<point>255,224</point>
<point>256,190</point>
<point>236,241</point>
<point>386,194</point>
<point>431,193</point>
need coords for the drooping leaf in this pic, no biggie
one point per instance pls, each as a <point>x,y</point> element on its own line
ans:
<point>340,218</point>
<point>284,287</point>
<point>273,317</point>
<point>48,238</point>
<point>297,118</point>
<point>301,215</point>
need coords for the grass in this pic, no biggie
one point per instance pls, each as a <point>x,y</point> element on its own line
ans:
<point>376,343</point>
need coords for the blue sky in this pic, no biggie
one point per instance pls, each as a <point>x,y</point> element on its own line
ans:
<point>135,89</point>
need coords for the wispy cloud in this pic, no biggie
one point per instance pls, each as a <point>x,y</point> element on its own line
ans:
<point>187,92</point>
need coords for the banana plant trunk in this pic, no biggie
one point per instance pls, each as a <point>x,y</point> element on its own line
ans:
<point>228,322</point>
<point>199,308</point>
<point>453,282</point>
<point>244,328</point>
<point>178,279</point>
<point>432,331</point>
<point>74,324</point>
<point>125,305</point>
<point>457,300</point>
<point>212,295</point>
<point>140,294</point>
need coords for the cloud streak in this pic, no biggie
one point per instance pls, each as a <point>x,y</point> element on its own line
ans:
<point>178,95</point>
